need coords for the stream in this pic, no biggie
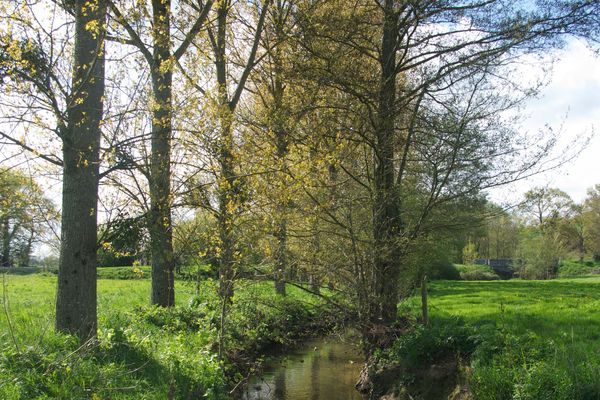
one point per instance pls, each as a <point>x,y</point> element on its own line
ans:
<point>321,369</point>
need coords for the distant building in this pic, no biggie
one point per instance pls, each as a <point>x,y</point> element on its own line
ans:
<point>502,266</point>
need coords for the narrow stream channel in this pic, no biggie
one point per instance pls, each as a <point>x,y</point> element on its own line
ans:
<point>323,369</point>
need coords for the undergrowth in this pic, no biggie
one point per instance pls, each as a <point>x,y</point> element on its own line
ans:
<point>142,351</point>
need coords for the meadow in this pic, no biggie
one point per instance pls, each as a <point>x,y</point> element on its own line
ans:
<point>518,339</point>
<point>563,310</point>
<point>145,352</point>
<point>522,339</point>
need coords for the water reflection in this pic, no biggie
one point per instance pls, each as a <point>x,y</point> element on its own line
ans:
<point>325,369</point>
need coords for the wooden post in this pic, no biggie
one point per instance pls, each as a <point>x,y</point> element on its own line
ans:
<point>424,308</point>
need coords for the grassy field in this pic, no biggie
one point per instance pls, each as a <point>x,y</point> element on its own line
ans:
<point>143,352</point>
<point>31,300</point>
<point>565,310</point>
<point>526,339</point>
<point>532,339</point>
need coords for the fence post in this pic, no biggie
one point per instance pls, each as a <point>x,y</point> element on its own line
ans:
<point>424,308</point>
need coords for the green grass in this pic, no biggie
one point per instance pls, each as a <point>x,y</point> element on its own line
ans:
<point>536,339</point>
<point>552,308</point>
<point>531,339</point>
<point>31,299</point>
<point>144,352</point>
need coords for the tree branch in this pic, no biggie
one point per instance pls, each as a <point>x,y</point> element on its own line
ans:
<point>251,57</point>
<point>193,31</point>
<point>47,157</point>
<point>135,39</point>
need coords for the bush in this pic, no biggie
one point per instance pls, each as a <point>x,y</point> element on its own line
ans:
<point>476,272</point>
<point>110,259</point>
<point>124,272</point>
<point>469,253</point>
<point>575,268</point>
<point>540,254</point>
<point>261,319</point>
<point>443,270</point>
<point>425,345</point>
<point>426,256</point>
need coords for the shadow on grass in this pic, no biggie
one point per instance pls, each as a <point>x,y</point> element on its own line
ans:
<point>534,290</point>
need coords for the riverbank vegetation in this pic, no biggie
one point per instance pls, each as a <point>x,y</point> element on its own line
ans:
<point>144,351</point>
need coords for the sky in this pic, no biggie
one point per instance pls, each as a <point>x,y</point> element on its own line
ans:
<point>569,103</point>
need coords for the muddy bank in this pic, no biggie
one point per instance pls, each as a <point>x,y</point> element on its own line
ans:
<point>445,379</point>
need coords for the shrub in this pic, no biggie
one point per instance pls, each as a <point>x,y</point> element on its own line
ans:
<point>540,254</point>
<point>576,268</point>
<point>469,253</point>
<point>134,272</point>
<point>476,272</point>
<point>424,345</point>
<point>443,270</point>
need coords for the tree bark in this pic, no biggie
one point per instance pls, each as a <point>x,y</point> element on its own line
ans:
<point>76,296</point>
<point>281,138</point>
<point>280,256</point>
<point>161,235</point>
<point>424,306</point>
<point>227,181</point>
<point>386,212</point>
<point>5,242</point>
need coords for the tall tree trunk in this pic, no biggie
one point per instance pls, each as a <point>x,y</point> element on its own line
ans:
<point>25,257</point>
<point>161,234</point>
<point>227,181</point>
<point>386,211</point>
<point>280,256</point>
<point>227,204</point>
<point>281,137</point>
<point>76,297</point>
<point>315,247</point>
<point>315,239</point>
<point>5,241</point>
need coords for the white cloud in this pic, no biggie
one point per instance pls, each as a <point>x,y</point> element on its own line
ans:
<point>571,104</point>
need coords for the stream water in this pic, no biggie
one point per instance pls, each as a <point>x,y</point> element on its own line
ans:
<point>323,369</point>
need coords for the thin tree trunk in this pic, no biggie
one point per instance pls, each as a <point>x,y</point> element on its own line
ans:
<point>281,137</point>
<point>161,235</point>
<point>226,219</point>
<point>280,256</point>
<point>315,245</point>
<point>424,306</point>
<point>76,296</point>
<point>315,240</point>
<point>227,181</point>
